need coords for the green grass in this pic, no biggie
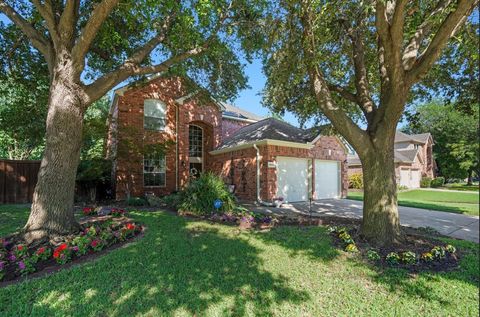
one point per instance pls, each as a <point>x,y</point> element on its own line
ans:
<point>185,267</point>
<point>465,203</point>
<point>462,187</point>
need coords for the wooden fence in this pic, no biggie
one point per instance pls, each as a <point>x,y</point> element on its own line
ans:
<point>17,181</point>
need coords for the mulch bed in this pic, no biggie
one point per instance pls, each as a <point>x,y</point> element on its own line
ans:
<point>47,266</point>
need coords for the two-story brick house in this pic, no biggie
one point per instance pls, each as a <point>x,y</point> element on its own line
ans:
<point>260,158</point>
<point>413,159</point>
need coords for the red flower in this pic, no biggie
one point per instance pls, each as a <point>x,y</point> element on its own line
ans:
<point>56,254</point>
<point>94,243</point>
<point>130,226</point>
<point>19,247</point>
<point>40,250</point>
<point>87,210</point>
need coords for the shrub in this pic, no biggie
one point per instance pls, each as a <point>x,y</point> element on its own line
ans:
<point>450,249</point>
<point>401,187</point>
<point>199,195</point>
<point>351,247</point>
<point>427,257</point>
<point>438,252</point>
<point>355,181</point>
<point>373,255</point>
<point>426,182</point>
<point>438,182</point>
<point>345,237</point>
<point>172,200</point>
<point>136,201</point>
<point>408,257</point>
<point>392,258</point>
<point>154,201</point>
<point>82,243</point>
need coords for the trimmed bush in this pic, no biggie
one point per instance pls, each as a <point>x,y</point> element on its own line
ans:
<point>199,195</point>
<point>355,181</point>
<point>426,182</point>
<point>438,182</point>
<point>136,201</point>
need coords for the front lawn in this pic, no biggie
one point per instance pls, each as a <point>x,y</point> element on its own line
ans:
<point>465,203</point>
<point>462,187</point>
<point>188,267</point>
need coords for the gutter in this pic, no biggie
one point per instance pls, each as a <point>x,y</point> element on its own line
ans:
<point>259,200</point>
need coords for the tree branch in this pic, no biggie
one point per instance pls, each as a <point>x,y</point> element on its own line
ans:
<point>68,21</point>
<point>39,41</point>
<point>446,30</point>
<point>98,16</point>
<point>343,92</point>
<point>102,85</point>
<point>411,51</point>
<point>342,122</point>
<point>46,11</point>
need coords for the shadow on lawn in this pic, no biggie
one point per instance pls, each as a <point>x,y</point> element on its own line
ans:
<point>12,218</point>
<point>316,243</point>
<point>178,267</point>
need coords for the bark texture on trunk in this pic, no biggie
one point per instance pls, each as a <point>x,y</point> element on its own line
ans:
<point>52,208</point>
<point>381,223</point>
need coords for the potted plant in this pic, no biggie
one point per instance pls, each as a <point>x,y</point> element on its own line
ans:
<point>278,202</point>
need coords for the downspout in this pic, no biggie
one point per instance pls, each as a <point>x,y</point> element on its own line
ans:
<point>176,146</point>
<point>259,200</point>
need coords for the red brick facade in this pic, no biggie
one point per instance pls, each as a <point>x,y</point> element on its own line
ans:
<point>236,167</point>
<point>129,163</point>
<point>243,173</point>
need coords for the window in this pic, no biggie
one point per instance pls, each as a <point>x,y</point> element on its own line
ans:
<point>416,146</point>
<point>154,114</point>
<point>154,169</point>
<point>195,141</point>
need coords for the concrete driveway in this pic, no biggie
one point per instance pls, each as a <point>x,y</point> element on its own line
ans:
<point>449,224</point>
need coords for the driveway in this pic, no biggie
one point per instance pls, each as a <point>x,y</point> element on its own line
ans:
<point>449,224</point>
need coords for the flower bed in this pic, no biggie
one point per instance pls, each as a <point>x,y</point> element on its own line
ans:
<point>424,254</point>
<point>242,218</point>
<point>97,234</point>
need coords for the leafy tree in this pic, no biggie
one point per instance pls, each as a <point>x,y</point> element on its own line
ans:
<point>92,46</point>
<point>355,63</point>
<point>455,134</point>
<point>23,97</point>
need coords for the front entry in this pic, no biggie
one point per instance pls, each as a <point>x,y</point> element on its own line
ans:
<point>195,150</point>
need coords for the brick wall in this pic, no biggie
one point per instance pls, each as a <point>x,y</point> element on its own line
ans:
<point>131,135</point>
<point>243,163</point>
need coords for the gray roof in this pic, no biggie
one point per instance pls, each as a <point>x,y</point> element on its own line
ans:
<point>400,156</point>
<point>269,128</point>
<point>418,138</point>
<point>236,112</point>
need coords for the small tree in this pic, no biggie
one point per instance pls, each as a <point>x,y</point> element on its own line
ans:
<point>357,61</point>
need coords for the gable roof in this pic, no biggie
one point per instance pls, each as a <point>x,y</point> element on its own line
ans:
<point>236,113</point>
<point>269,128</point>
<point>400,156</point>
<point>415,138</point>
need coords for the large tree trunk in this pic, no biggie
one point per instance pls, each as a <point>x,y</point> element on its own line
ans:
<point>470,177</point>
<point>52,208</point>
<point>380,224</point>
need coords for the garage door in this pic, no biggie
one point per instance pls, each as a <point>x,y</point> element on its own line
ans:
<point>410,178</point>
<point>292,179</point>
<point>327,179</point>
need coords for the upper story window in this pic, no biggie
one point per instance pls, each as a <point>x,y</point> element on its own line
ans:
<point>155,113</point>
<point>416,146</point>
<point>154,169</point>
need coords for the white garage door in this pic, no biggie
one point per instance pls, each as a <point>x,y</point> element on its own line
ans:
<point>292,179</point>
<point>410,178</point>
<point>327,179</point>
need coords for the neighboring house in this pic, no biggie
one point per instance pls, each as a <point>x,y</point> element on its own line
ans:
<point>413,159</point>
<point>260,158</point>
